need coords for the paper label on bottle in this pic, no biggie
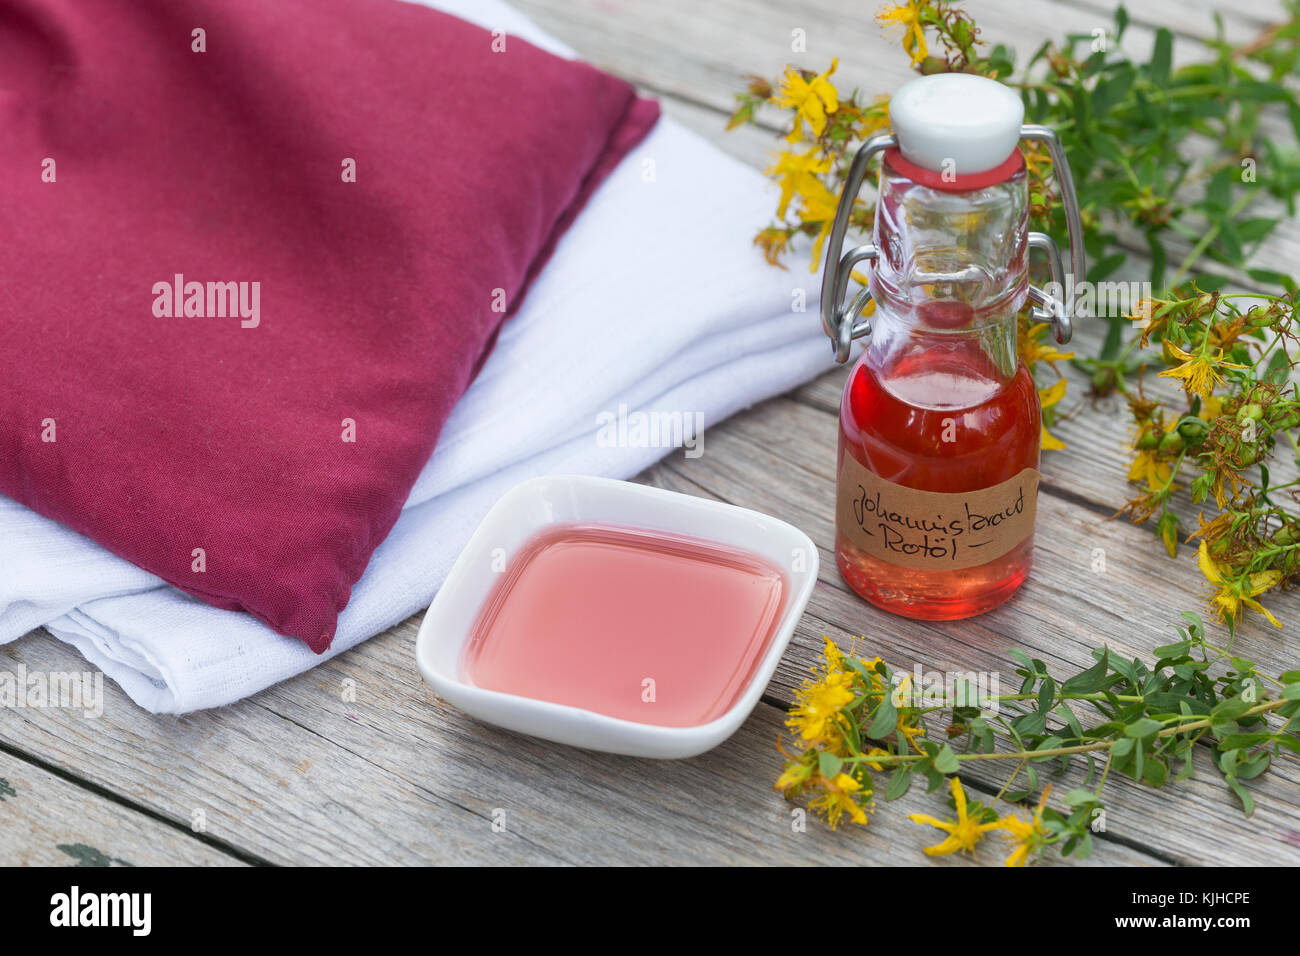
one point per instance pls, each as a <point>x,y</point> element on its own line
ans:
<point>933,530</point>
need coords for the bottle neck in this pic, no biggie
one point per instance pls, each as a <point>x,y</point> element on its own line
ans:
<point>949,281</point>
<point>943,355</point>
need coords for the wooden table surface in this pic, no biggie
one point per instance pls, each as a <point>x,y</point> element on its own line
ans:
<point>303,774</point>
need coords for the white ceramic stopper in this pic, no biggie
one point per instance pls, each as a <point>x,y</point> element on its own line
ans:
<point>956,122</point>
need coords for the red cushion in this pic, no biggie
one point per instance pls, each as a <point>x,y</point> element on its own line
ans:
<point>378,299</point>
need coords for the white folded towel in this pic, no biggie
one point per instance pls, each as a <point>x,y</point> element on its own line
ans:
<point>655,300</point>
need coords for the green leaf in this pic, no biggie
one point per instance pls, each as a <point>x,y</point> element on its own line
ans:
<point>899,783</point>
<point>1252,768</point>
<point>933,780</point>
<point>946,761</point>
<point>1247,802</point>
<point>1290,743</point>
<point>828,765</point>
<point>1048,743</point>
<point>1144,728</point>
<point>1174,650</point>
<point>1031,723</point>
<point>1023,658</point>
<point>1162,54</point>
<point>1079,797</point>
<point>1095,678</point>
<point>885,720</point>
<point>1230,709</point>
<point>1047,694</point>
<point>1156,773</point>
<point>1068,716</point>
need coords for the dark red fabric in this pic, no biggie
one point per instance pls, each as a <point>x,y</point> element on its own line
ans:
<point>376,297</point>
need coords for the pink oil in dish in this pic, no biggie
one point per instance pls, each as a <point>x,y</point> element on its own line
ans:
<point>632,623</point>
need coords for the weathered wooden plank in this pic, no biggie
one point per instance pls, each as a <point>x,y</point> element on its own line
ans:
<point>263,784</point>
<point>48,821</point>
<point>697,52</point>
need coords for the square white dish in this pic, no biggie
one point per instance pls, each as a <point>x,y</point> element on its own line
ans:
<point>533,505</point>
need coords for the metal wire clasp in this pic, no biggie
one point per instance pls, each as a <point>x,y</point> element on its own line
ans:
<point>843,324</point>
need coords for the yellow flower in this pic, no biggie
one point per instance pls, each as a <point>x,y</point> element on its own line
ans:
<point>833,655</point>
<point>1213,529</point>
<point>874,118</point>
<point>870,666</point>
<point>1038,161</point>
<point>963,833</point>
<point>876,752</point>
<point>1035,348</point>
<point>1232,595</point>
<point>797,175</point>
<point>817,713</point>
<point>907,729</point>
<point>1148,467</point>
<point>1199,373</point>
<point>1143,311</point>
<point>1226,485</point>
<point>1047,397</point>
<point>818,206</point>
<point>1027,836</point>
<point>796,776</point>
<point>812,100</point>
<point>839,797</point>
<point>908,16</point>
<point>910,732</point>
<point>775,242</point>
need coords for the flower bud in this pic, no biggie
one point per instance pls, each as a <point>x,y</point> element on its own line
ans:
<point>1193,430</point>
<point>1259,318</point>
<point>1172,443</point>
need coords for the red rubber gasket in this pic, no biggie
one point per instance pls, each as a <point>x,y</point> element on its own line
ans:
<point>961,183</point>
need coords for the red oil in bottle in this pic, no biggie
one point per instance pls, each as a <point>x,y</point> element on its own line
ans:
<point>937,420</point>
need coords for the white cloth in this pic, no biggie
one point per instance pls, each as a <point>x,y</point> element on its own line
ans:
<point>655,298</point>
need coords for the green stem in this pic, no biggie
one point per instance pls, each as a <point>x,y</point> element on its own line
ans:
<point>1204,242</point>
<point>1105,772</point>
<point>1263,708</point>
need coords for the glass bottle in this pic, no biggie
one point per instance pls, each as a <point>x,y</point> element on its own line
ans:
<point>939,421</point>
